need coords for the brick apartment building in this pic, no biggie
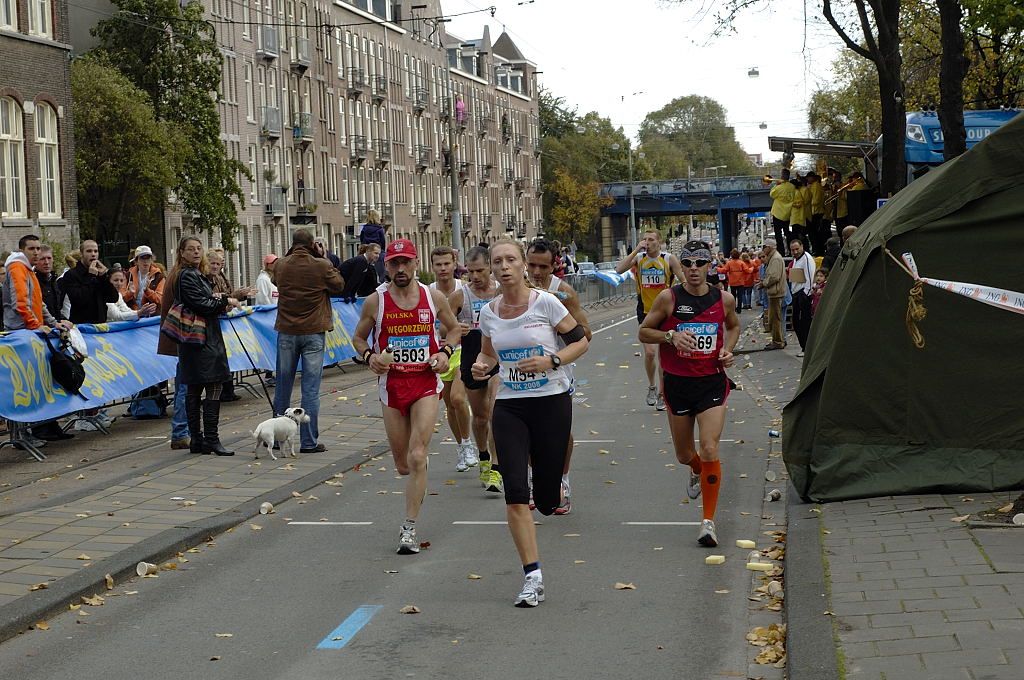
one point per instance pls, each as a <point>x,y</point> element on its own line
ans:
<point>37,171</point>
<point>338,107</point>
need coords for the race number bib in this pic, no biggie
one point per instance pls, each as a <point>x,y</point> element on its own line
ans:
<point>653,277</point>
<point>707,340</point>
<point>516,379</point>
<point>410,350</point>
<point>477,306</point>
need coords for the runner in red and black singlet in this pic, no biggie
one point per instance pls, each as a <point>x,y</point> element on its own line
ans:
<point>696,328</point>
<point>401,315</point>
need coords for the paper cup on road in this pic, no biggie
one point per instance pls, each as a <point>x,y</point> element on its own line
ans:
<point>145,569</point>
<point>1018,519</point>
<point>266,508</point>
<point>775,589</point>
<point>770,475</point>
<point>773,495</point>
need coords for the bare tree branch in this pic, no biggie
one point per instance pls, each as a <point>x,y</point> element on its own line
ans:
<point>826,9</point>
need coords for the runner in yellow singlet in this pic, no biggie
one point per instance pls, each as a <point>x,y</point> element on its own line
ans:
<point>654,270</point>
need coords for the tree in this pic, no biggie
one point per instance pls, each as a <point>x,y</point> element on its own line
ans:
<point>124,157</point>
<point>576,206</point>
<point>951,79</point>
<point>168,50</point>
<point>691,132</point>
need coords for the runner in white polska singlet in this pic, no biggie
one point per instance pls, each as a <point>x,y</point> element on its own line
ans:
<point>467,303</point>
<point>456,405</point>
<point>533,409</point>
<point>540,259</point>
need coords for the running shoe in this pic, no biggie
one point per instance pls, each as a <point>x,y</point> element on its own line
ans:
<point>85,426</point>
<point>652,395</point>
<point>407,544</point>
<point>693,486</point>
<point>565,507</point>
<point>532,593</point>
<point>707,537</point>
<point>661,402</point>
<point>533,506</point>
<point>460,464</point>
<point>471,456</point>
<point>494,483</point>
<point>485,472</point>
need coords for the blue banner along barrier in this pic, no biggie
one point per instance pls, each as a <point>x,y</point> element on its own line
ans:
<point>123,360</point>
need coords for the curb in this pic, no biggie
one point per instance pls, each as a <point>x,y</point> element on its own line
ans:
<point>44,604</point>
<point>810,647</point>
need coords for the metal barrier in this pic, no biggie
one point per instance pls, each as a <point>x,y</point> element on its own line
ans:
<point>595,292</point>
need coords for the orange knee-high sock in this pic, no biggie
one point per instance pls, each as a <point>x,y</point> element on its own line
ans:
<point>695,464</point>
<point>710,478</point>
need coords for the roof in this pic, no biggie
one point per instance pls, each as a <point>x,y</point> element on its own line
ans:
<point>504,47</point>
<point>821,147</point>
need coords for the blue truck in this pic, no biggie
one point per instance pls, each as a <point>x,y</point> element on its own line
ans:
<point>924,140</point>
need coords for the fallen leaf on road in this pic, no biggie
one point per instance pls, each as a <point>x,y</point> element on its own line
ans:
<point>296,494</point>
<point>624,586</point>
<point>721,592</point>
<point>214,658</point>
<point>80,477</point>
<point>74,607</point>
<point>425,545</point>
<point>409,609</point>
<point>131,592</point>
<point>94,601</point>
<point>83,556</point>
<point>255,527</point>
<point>38,586</point>
<point>224,635</point>
<point>42,625</point>
<point>390,571</point>
<point>593,432</point>
<point>603,451</point>
<point>579,561</point>
<point>109,580</point>
<point>659,548</point>
<point>961,518</point>
<point>82,514</point>
<point>474,577</point>
<point>570,535</point>
<point>1006,508</point>
<point>608,481</point>
<point>743,476</point>
<point>338,637</point>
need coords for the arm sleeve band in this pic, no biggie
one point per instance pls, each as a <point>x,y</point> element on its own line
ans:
<point>575,335</point>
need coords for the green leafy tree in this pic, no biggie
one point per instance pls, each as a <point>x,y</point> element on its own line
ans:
<point>577,206</point>
<point>124,157</point>
<point>691,133</point>
<point>171,53</point>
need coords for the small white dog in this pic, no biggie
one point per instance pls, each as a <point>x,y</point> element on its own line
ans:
<point>282,429</point>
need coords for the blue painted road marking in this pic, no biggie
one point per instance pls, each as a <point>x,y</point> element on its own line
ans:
<point>340,636</point>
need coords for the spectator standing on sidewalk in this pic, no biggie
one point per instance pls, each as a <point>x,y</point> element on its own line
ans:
<point>801,278</point>
<point>774,284</point>
<point>53,299</point>
<point>24,308</point>
<point>359,272</point>
<point>266,291</point>
<point>818,289</point>
<point>221,284</point>
<point>119,310</point>
<point>782,195</point>
<point>88,286</point>
<point>305,285</point>
<point>145,280</point>
<point>203,368</point>
<point>374,232</point>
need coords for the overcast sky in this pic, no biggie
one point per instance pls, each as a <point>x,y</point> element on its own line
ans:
<point>597,53</point>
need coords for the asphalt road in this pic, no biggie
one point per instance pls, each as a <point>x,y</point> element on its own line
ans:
<point>257,602</point>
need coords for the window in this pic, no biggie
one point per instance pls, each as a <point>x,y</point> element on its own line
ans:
<point>49,161</point>
<point>40,18</point>
<point>12,160</point>
<point>246,18</point>
<point>9,14</point>
<point>250,94</point>
<point>254,197</point>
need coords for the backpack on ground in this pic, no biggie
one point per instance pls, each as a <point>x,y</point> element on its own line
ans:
<point>149,403</point>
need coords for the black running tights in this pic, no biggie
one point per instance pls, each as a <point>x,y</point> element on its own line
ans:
<point>532,431</point>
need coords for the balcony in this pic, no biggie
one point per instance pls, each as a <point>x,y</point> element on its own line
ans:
<point>521,230</point>
<point>520,142</point>
<point>467,222</point>
<point>360,147</point>
<point>509,177</point>
<point>300,54</point>
<point>356,81</point>
<point>486,222</point>
<point>522,184</point>
<point>484,122</point>
<point>305,201</point>
<point>302,127</point>
<point>387,214</point>
<point>485,176</point>
<point>383,149</point>
<point>510,223</point>
<point>420,99</point>
<point>506,132</point>
<point>424,157</point>
<point>445,108</point>
<point>423,214</point>
<point>465,170</point>
<point>267,46</point>
<point>270,122</point>
<point>379,85</point>
<point>275,204</point>
<point>361,211</point>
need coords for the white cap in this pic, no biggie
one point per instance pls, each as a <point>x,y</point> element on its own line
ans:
<point>142,250</point>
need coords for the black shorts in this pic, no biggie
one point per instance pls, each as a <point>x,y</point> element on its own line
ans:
<point>685,396</point>
<point>472,342</point>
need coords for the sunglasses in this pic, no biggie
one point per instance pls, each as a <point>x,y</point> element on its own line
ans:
<point>693,263</point>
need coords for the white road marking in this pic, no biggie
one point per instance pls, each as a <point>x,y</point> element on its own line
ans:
<point>480,522</point>
<point>331,524</point>
<point>662,524</point>
<point>617,323</point>
<point>594,441</point>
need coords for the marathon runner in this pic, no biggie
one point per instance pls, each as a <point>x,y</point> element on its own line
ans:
<point>533,410</point>
<point>467,303</point>
<point>696,328</point>
<point>456,406</point>
<point>408,357</point>
<point>540,263</point>
<point>654,271</point>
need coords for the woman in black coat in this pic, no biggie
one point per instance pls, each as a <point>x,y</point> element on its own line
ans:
<point>375,232</point>
<point>203,367</point>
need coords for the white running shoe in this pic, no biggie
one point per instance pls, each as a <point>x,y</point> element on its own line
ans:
<point>461,465</point>
<point>652,395</point>
<point>472,459</point>
<point>661,402</point>
<point>707,537</point>
<point>407,544</point>
<point>693,486</point>
<point>85,426</point>
<point>532,593</point>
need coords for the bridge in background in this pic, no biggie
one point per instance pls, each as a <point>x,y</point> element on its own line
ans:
<point>724,197</point>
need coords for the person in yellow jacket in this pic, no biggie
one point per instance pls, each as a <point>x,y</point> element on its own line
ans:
<point>782,195</point>
<point>817,225</point>
<point>842,212</point>
<point>797,221</point>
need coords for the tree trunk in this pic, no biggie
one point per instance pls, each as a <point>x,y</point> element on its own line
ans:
<point>889,61</point>
<point>952,70</point>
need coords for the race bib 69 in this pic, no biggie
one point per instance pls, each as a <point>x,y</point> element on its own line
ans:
<point>707,339</point>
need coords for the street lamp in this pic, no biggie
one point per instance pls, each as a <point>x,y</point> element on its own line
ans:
<point>632,205</point>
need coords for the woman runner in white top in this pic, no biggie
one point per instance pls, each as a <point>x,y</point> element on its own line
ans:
<point>533,410</point>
